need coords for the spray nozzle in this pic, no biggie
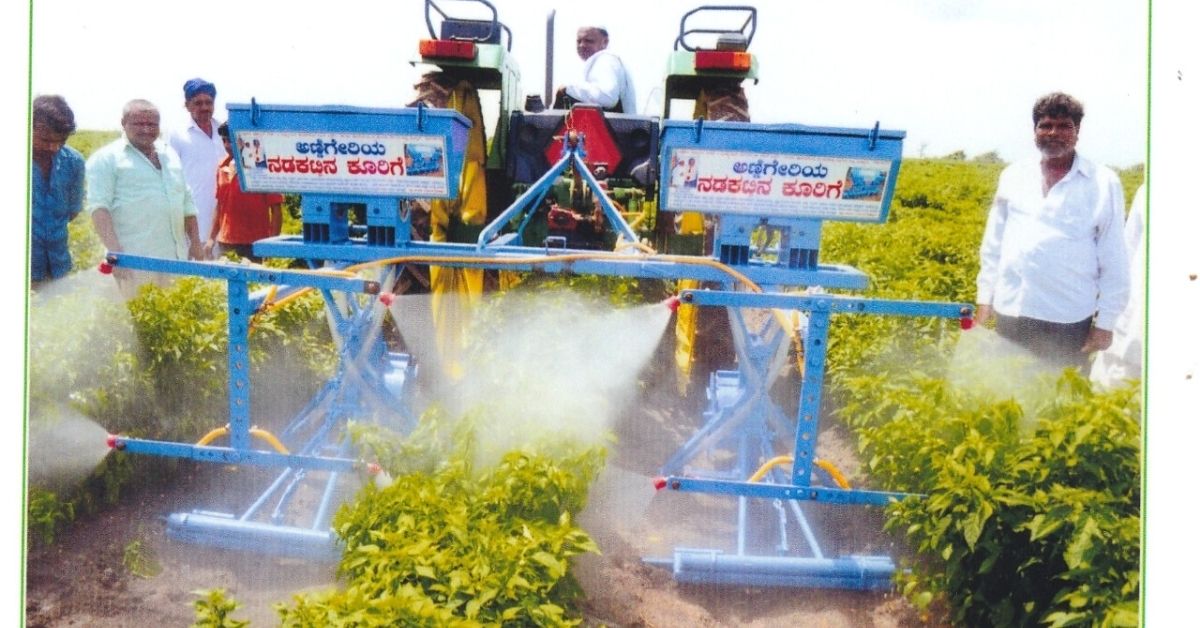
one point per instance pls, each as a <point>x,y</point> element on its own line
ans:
<point>672,303</point>
<point>660,483</point>
<point>106,267</point>
<point>967,318</point>
<point>113,441</point>
<point>381,478</point>
<point>387,299</point>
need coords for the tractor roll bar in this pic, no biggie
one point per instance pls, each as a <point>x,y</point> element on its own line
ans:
<point>751,23</point>
<point>485,37</point>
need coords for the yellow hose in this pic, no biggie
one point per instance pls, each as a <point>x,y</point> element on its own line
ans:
<point>266,304</point>
<point>829,468</point>
<point>285,300</point>
<point>349,271</point>
<point>517,261</point>
<point>622,244</point>
<point>270,438</point>
<point>270,303</point>
<point>768,465</point>
<point>213,435</point>
<point>254,431</point>
<point>833,472</point>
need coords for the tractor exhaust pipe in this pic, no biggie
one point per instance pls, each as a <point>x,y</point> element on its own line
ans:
<point>549,100</point>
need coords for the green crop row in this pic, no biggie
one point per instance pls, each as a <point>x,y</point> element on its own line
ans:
<point>154,367</point>
<point>1031,507</point>
<point>446,543</point>
<point>1031,514</point>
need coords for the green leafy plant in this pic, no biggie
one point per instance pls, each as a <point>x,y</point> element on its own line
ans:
<point>87,251</point>
<point>140,560</point>
<point>47,513</point>
<point>86,141</point>
<point>1031,514</point>
<point>156,367</point>
<point>445,544</point>
<point>1019,528</point>
<point>213,610</point>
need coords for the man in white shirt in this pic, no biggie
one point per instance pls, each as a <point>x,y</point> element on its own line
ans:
<point>200,148</point>
<point>1053,268</point>
<point>605,82</point>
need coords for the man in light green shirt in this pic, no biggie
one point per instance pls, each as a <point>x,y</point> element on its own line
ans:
<point>137,196</point>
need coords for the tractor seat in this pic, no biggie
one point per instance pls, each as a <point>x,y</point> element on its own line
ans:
<point>732,41</point>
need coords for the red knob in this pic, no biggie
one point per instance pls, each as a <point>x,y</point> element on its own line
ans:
<point>672,303</point>
<point>373,468</point>
<point>113,441</point>
<point>105,268</point>
<point>387,298</point>
<point>660,483</point>
<point>966,323</point>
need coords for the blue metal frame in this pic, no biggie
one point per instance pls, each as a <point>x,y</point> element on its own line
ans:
<point>573,155</point>
<point>741,418</point>
<point>755,375</point>
<point>741,409</point>
<point>368,376</point>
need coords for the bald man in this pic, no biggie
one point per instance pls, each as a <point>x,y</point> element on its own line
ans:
<point>138,199</point>
<point>605,82</point>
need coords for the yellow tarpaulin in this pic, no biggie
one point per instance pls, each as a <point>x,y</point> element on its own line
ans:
<point>457,290</point>
<point>722,102</point>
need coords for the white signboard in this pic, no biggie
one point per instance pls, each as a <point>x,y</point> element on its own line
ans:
<point>776,184</point>
<point>371,164</point>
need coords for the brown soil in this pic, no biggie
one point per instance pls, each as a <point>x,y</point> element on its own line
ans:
<point>82,580</point>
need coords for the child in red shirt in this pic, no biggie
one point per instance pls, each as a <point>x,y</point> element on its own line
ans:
<point>241,217</point>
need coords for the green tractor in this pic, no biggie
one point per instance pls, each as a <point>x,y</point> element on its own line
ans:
<point>708,67</point>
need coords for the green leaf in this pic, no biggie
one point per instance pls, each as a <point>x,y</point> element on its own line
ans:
<point>1081,545</point>
<point>1124,615</point>
<point>554,567</point>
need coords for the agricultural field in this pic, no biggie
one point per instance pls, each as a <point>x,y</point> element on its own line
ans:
<point>1033,479</point>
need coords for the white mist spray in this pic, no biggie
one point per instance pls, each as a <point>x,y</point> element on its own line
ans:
<point>76,326</point>
<point>991,366</point>
<point>548,366</point>
<point>64,449</point>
